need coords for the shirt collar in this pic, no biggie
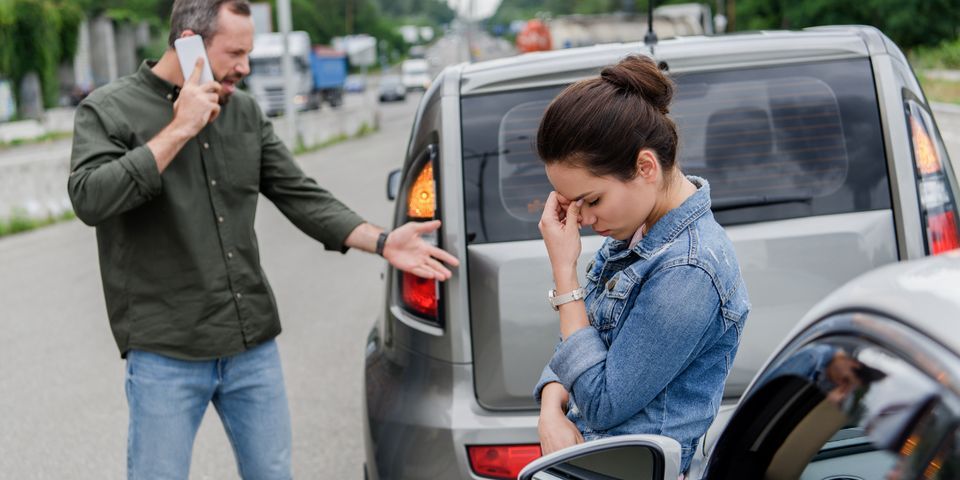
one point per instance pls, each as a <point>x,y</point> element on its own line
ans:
<point>162,87</point>
<point>669,226</point>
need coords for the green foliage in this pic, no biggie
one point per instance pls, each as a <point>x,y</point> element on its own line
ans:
<point>418,12</point>
<point>909,23</point>
<point>19,221</point>
<point>35,35</point>
<point>944,56</point>
<point>510,10</point>
<point>128,10</point>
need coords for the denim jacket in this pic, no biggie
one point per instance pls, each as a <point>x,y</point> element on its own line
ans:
<point>666,317</point>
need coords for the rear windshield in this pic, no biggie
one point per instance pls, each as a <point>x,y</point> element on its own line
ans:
<point>774,142</point>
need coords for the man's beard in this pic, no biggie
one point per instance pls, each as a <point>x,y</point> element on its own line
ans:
<point>232,80</point>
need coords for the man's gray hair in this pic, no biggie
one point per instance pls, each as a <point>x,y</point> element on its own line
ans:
<point>200,16</point>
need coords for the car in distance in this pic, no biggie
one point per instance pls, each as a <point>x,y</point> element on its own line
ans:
<point>415,74</point>
<point>391,89</point>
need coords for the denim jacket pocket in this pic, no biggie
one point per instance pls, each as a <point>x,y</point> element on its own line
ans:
<point>611,303</point>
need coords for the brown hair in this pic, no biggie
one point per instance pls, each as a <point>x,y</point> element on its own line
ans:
<point>602,123</point>
<point>201,17</point>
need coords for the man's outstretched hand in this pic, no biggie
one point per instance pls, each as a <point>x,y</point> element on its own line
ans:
<point>408,251</point>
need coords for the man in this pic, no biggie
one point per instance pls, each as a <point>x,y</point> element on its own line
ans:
<point>169,171</point>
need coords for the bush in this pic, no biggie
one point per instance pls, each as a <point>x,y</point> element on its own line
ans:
<point>946,55</point>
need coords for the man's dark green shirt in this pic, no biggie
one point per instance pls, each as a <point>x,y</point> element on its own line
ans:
<point>178,253</point>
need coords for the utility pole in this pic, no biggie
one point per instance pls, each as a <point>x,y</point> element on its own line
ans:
<point>349,16</point>
<point>289,85</point>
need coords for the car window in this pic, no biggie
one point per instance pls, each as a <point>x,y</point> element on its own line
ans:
<point>774,142</point>
<point>845,409</point>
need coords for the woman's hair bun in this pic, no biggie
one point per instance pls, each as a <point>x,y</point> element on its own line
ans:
<point>640,75</point>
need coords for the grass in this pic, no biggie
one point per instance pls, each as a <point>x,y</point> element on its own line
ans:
<point>944,56</point>
<point>364,130</point>
<point>940,90</point>
<point>47,137</point>
<point>20,222</point>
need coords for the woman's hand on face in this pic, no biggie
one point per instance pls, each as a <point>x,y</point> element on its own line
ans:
<point>560,228</point>
<point>556,431</point>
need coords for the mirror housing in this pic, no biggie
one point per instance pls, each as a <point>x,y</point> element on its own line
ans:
<point>643,457</point>
<point>393,184</point>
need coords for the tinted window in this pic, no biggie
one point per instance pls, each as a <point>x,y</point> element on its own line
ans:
<point>774,142</point>
<point>844,408</point>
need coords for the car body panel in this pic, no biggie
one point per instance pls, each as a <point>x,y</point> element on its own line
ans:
<point>907,310</point>
<point>446,397</point>
<point>787,265</point>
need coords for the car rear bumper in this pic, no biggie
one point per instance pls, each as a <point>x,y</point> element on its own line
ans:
<point>420,414</point>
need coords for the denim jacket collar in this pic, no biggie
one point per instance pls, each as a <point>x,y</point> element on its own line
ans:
<point>668,227</point>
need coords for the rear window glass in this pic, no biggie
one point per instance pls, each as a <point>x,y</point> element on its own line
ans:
<point>774,142</point>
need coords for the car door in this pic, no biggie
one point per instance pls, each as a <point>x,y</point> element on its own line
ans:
<point>857,396</point>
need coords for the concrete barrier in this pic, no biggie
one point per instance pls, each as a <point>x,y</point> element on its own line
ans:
<point>33,178</point>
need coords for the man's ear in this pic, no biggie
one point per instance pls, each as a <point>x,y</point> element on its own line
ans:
<point>647,165</point>
<point>187,33</point>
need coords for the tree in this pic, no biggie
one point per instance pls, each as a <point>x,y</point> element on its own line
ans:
<point>35,36</point>
<point>909,23</point>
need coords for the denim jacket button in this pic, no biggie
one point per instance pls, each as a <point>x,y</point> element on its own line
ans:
<point>611,284</point>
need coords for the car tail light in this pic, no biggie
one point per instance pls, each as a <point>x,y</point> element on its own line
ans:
<point>421,296</point>
<point>422,199</point>
<point>501,461</point>
<point>938,206</point>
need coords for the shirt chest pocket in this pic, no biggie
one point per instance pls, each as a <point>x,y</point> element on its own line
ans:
<point>241,159</point>
<point>610,303</point>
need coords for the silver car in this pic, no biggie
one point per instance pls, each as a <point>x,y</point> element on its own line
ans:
<point>824,163</point>
<point>867,387</point>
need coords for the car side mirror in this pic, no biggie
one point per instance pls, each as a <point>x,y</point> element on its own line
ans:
<point>634,457</point>
<point>393,185</point>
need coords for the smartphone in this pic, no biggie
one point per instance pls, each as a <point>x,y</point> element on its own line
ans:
<point>188,50</point>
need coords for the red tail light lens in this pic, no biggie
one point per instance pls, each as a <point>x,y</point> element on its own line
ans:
<point>420,295</point>
<point>942,233</point>
<point>501,461</point>
<point>937,203</point>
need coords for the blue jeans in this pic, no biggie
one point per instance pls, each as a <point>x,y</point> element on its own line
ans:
<point>168,397</point>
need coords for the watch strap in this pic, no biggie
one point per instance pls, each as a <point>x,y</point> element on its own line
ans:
<point>557,300</point>
<point>382,242</point>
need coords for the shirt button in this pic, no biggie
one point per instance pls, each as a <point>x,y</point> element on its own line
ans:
<point>213,183</point>
<point>229,254</point>
<point>169,96</point>
<point>239,295</point>
<point>206,145</point>
<point>220,219</point>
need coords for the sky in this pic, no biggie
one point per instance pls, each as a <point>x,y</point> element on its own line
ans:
<point>482,8</point>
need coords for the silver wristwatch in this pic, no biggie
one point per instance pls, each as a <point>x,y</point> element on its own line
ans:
<point>557,300</point>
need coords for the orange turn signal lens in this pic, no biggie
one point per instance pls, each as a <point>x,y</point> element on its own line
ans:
<point>928,162</point>
<point>422,200</point>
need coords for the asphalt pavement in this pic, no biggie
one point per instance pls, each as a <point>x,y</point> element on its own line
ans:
<point>63,412</point>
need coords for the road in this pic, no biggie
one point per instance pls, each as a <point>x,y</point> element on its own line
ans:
<point>61,379</point>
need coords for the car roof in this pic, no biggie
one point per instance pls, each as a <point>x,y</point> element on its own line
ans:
<point>556,67</point>
<point>923,294</point>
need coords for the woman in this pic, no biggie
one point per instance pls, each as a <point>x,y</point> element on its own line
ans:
<point>650,346</point>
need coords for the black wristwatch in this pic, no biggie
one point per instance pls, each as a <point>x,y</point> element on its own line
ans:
<point>382,242</point>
